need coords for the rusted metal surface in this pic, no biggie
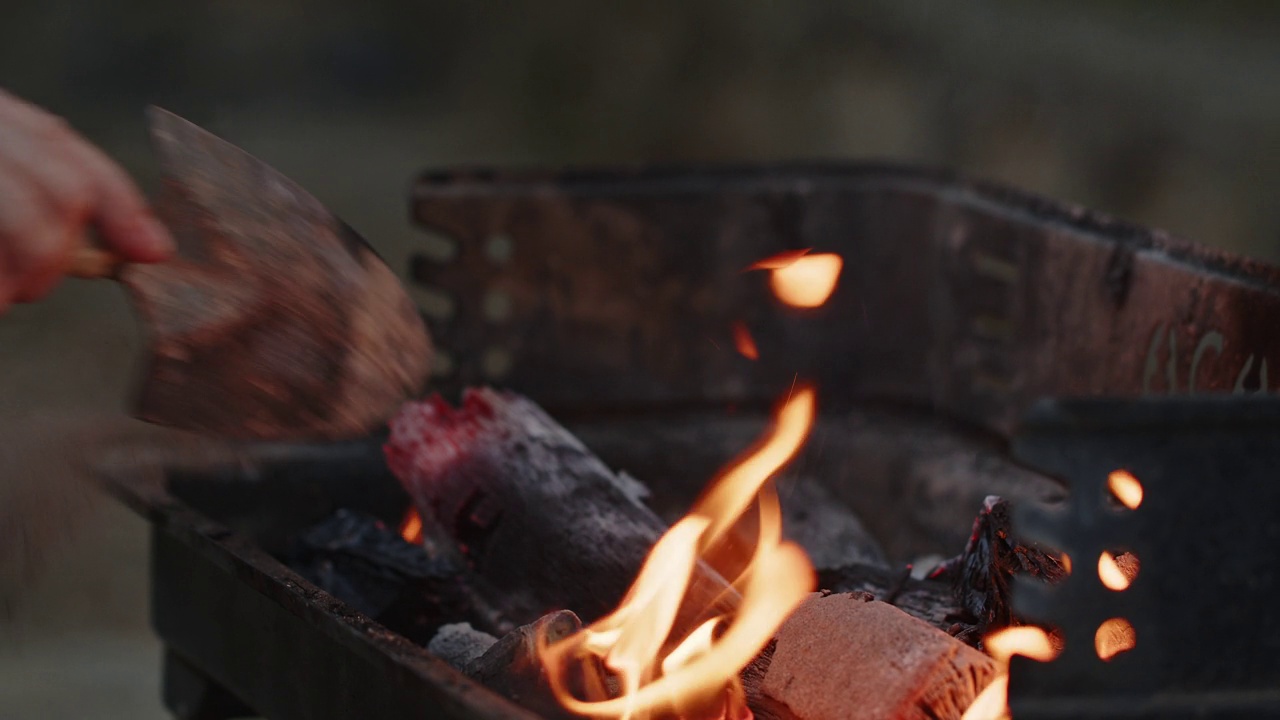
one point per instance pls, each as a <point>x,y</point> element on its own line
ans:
<point>276,320</point>
<point>620,288</point>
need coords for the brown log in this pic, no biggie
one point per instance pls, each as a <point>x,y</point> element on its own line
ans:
<point>543,523</point>
<point>843,656</point>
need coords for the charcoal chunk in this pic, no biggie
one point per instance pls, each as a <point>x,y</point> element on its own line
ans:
<point>360,560</point>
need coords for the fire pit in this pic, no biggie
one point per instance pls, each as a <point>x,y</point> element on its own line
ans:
<point>617,301</point>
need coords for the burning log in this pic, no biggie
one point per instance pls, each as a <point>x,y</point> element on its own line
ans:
<point>545,524</point>
<point>541,521</point>
<point>846,655</point>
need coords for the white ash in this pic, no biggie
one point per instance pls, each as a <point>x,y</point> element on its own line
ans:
<point>459,644</point>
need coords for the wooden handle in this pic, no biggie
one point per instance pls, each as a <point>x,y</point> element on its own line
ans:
<point>93,262</point>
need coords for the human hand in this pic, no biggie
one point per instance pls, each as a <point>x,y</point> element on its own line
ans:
<point>54,185</point>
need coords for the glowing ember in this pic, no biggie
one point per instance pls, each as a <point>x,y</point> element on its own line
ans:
<point>993,702</point>
<point>1125,488</point>
<point>1114,574</point>
<point>807,282</point>
<point>744,342</point>
<point>1114,636</point>
<point>411,527</point>
<point>661,665</point>
<point>1066,563</point>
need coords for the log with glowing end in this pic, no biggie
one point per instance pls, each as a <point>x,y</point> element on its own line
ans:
<point>660,665</point>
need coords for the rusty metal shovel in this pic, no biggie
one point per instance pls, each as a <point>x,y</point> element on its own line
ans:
<point>274,320</point>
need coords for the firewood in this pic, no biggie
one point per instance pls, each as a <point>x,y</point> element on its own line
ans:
<point>541,521</point>
<point>847,656</point>
<point>512,668</point>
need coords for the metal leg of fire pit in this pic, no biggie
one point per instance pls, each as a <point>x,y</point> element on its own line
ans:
<point>191,695</point>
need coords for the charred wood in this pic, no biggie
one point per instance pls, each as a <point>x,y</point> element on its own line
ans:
<point>358,559</point>
<point>982,576</point>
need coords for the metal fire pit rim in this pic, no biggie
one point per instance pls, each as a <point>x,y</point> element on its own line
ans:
<point>466,180</point>
<point>239,555</point>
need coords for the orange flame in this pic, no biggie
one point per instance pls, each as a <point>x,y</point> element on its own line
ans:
<point>1033,642</point>
<point>807,282</point>
<point>663,666</point>
<point>744,342</point>
<point>411,527</point>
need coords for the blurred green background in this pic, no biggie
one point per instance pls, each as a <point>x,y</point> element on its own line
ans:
<point>1163,113</point>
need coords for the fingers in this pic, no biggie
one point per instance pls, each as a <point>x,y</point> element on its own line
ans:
<point>53,185</point>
